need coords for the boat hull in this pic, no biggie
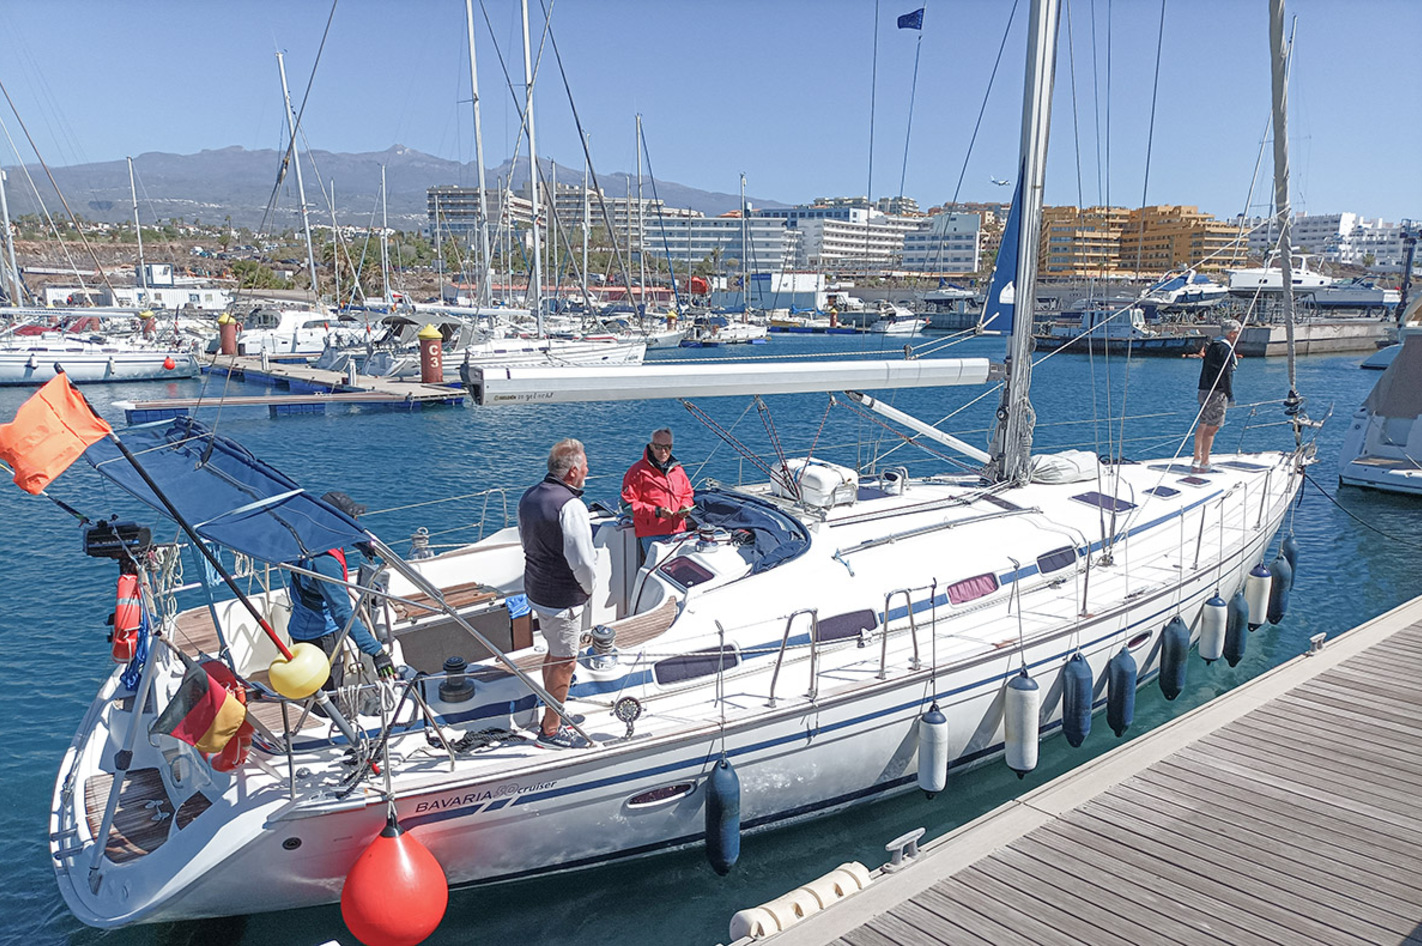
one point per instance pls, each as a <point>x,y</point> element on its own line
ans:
<point>799,754</point>
<point>36,366</point>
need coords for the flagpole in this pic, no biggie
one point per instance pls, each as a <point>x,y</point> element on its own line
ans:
<point>913,93</point>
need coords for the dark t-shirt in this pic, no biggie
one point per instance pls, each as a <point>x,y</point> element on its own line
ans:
<point>1218,366</point>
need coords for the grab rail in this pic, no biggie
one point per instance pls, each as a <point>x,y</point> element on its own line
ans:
<point>914,664</point>
<point>814,614</point>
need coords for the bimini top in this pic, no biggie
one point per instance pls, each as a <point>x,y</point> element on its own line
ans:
<point>228,495</point>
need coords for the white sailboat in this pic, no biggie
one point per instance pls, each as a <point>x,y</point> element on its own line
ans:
<point>834,635</point>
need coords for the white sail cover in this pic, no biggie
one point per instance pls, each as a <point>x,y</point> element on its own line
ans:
<point>501,386</point>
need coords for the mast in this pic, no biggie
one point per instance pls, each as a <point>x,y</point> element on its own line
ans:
<point>300,187</point>
<point>536,278</point>
<point>384,242</point>
<point>336,250</point>
<point>641,229</point>
<point>552,268</point>
<point>16,298</point>
<point>486,265</point>
<point>1279,64</point>
<point>138,229</point>
<point>745,256</point>
<point>587,222</point>
<point>1012,443</point>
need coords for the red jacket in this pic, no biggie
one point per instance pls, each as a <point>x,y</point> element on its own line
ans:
<point>645,487</point>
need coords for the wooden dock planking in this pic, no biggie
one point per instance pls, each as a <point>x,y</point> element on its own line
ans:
<point>1285,811</point>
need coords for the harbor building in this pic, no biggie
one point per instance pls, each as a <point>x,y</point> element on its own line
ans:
<point>1079,243</point>
<point>1165,237</point>
<point>845,233</point>
<point>769,243</point>
<point>454,211</point>
<point>1345,238</point>
<point>1375,244</point>
<point>946,243</point>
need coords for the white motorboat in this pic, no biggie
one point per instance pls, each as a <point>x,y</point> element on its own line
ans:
<point>32,359</point>
<point>286,330</point>
<point>1186,292</point>
<point>832,635</point>
<point>896,320</point>
<point>1323,292</point>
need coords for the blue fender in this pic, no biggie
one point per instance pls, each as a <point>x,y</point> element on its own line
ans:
<point>723,817</point>
<point>1121,675</point>
<point>1174,657</point>
<point>1076,700</point>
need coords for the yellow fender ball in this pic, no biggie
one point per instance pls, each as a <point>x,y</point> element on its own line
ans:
<point>303,674</point>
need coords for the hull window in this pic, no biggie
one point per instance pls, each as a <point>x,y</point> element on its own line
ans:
<point>698,663</point>
<point>970,589</point>
<point>1056,560</point>
<point>842,626</point>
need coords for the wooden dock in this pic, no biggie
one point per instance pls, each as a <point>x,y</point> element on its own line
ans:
<point>1285,811</point>
<point>311,391</point>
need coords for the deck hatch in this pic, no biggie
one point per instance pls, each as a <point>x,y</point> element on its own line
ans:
<point>1102,501</point>
<point>1164,492</point>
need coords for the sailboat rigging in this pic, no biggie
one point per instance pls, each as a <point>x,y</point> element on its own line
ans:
<point>807,637</point>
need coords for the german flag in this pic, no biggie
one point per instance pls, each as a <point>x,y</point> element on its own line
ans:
<point>203,713</point>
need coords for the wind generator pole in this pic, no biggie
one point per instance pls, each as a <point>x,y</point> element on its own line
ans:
<point>137,229</point>
<point>1279,70</point>
<point>535,282</point>
<point>486,264</point>
<point>1013,440</point>
<point>300,188</point>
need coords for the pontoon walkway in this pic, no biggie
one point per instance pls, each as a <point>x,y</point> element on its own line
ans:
<point>1285,811</point>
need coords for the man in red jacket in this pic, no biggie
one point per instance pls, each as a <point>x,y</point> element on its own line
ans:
<point>657,489</point>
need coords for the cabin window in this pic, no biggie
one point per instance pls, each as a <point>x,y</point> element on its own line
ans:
<point>843,626</point>
<point>1056,559</point>
<point>970,589</point>
<point>686,573</point>
<point>1164,492</point>
<point>1102,501</point>
<point>698,663</point>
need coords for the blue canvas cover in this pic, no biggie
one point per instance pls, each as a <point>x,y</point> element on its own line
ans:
<point>776,537</point>
<point>228,495</point>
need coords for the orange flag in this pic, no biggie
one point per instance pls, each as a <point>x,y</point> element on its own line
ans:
<point>49,432</point>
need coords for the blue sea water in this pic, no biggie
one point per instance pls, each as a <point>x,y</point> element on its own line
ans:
<point>404,465</point>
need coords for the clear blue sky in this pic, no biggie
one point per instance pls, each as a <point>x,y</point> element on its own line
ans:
<point>779,89</point>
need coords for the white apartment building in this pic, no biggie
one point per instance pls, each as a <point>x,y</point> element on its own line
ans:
<point>1375,244</point>
<point>1337,238</point>
<point>945,243</point>
<point>769,243</point>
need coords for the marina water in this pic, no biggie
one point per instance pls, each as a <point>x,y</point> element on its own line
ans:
<point>53,651</point>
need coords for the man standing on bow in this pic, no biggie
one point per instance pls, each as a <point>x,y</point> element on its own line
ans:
<point>659,492</point>
<point>558,572</point>
<point>1216,392</point>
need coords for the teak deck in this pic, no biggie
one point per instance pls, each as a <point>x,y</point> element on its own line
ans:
<point>1286,811</point>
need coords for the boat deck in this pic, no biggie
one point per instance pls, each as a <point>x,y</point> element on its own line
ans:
<point>1285,811</point>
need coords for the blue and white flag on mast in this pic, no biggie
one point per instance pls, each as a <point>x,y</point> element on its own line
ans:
<point>912,21</point>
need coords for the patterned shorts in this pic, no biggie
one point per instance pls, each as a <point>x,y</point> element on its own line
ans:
<point>1212,413</point>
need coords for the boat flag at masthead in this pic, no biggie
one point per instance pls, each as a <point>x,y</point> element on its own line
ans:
<point>50,431</point>
<point>912,21</point>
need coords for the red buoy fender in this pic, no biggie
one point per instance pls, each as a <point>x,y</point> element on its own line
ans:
<point>396,893</point>
<point>128,615</point>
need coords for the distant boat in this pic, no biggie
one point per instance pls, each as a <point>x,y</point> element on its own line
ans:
<point>1322,291</point>
<point>1187,291</point>
<point>896,320</point>
<point>88,359</point>
<point>1103,328</point>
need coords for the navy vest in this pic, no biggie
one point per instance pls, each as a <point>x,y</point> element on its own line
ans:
<point>547,579</point>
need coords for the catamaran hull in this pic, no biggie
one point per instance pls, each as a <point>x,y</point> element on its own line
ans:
<point>254,851</point>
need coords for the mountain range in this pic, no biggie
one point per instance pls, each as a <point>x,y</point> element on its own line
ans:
<point>234,182</point>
